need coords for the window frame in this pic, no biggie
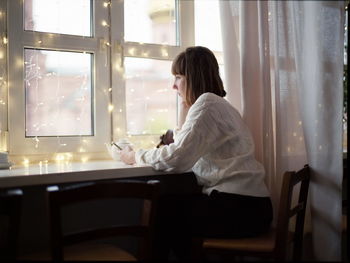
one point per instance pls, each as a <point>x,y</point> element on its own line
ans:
<point>109,123</point>
<point>120,50</point>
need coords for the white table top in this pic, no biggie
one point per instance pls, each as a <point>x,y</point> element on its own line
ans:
<point>65,172</point>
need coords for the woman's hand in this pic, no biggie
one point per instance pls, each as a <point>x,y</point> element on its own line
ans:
<point>183,113</point>
<point>127,155</point>
<point>166,138</point>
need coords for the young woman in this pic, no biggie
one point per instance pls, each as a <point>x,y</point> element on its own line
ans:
<point>214,142</point>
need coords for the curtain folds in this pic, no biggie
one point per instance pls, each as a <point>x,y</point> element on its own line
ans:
<point>284,65</point>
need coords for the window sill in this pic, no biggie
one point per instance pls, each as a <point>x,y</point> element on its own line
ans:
<point>66,172</point>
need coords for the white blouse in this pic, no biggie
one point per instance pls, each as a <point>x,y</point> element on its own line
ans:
<point>217,145</point>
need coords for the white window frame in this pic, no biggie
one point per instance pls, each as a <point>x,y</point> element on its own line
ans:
<point>109,124</point>
<point>20,39</point>
<point>121,48</point>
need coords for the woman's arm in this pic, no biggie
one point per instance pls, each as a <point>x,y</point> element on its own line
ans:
<point>195,139</point>
<point>168,137</point>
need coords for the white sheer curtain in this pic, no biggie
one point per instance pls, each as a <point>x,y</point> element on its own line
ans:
<point>284,62</point>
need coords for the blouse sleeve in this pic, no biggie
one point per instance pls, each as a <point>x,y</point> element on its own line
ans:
<point>193,141</point>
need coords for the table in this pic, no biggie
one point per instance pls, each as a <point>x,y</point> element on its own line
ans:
<point>70,172</point>
<point>34,178</point>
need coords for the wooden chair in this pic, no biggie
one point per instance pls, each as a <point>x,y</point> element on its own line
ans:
<point>10,211</point>
<point>274,243</point>
<point>73,246</point>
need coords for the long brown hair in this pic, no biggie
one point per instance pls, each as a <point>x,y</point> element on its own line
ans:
<point>201,70</point>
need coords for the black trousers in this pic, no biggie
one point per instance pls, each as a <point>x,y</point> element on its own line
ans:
<point>181,217</point>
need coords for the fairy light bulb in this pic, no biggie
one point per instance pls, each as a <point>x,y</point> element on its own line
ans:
<point>25,162</point>
<point>104,23</point>
<point>131,51</point>
<point>164,52</point>
<point>118,67</point>
<point>110,107</point>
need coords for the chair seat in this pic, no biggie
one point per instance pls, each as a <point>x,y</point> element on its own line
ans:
<point>97,252</point>
<point>274,244</point>
<point>263,243</point>
<point>86,252</point>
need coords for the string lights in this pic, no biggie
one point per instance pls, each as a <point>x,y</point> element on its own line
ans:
<point>35,75</point>
<point>3,78</point>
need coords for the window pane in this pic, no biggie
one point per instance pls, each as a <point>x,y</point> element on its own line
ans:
<point>150,21</point>
<point>150,99</point>
<point>62,17</point>
<point>207,24</point>
<point>58,88</point>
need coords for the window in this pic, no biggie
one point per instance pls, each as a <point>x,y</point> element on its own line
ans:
<point>57,77</point>
<point>208,29</point>
<point>58,93</point>
<point>148,96</point>
<point>85,72</point>
<point>151,21</point>
<point>52,16</point>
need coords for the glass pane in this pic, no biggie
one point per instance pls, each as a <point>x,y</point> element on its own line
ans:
<point>58,87</point>
<point>150,21</point>
<point>207,24</point>
<point>150,99</point>
<point>62,17</point>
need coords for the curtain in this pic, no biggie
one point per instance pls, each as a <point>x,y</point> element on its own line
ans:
<point>284,62</point>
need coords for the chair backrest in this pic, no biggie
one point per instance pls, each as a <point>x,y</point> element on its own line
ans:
<point>131,189</point>
<point>10,210</point>
<point>286,212</point>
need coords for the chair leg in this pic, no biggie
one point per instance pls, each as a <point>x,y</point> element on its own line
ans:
<point>297,253</point>
<point>197,250</point>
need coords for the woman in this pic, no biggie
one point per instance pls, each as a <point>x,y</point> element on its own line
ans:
<point>214,142</point>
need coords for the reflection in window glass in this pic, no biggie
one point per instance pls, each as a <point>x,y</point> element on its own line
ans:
<point>58,88</point>
<point>150,99</point>
<point>207,24</point>
<point>62,17</point>
<point>150,21</point>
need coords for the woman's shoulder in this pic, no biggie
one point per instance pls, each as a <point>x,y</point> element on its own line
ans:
<point>214,105</point>
<point>210,100</point>
<point>209,103</point>
<point>207,99</point>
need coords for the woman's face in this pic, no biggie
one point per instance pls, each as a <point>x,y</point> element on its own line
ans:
<point>180,85</point>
